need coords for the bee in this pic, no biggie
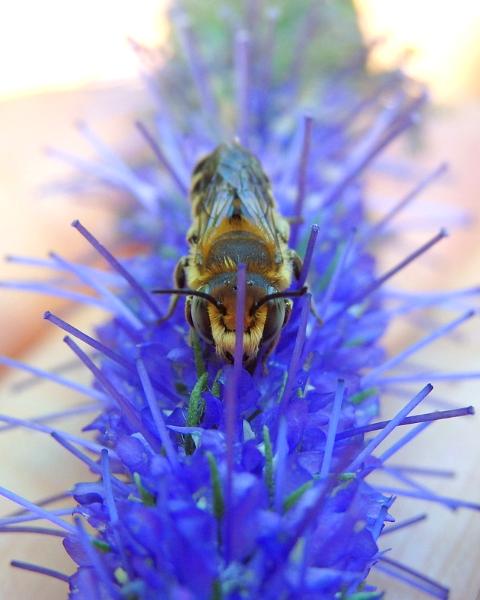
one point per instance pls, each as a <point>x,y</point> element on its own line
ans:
<point>235,221</point>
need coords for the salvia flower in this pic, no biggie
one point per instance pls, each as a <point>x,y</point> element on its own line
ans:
<point>210,481</point>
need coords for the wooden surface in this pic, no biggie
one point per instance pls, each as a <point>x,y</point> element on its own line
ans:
<point>34,223</point>
<point>446,546</point>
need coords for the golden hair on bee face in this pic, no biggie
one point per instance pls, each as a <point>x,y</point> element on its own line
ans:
<point>224,334</point>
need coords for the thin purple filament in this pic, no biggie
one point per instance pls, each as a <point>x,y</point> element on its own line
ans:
<point>41,570</point>
<point>307,260</point>
<point>302,178</point>
<point>332,428</point>
<point>118,267</point>
<point>378,439</point>
<point>389,274</point>
<point>231,397</point>
<point>162,158</point>
<point>432,416</point>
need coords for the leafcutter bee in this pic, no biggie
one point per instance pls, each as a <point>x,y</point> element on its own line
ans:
<point>235,221</point>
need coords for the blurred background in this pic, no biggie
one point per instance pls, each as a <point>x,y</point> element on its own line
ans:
<point>62,62</point>
<point>65,61</point>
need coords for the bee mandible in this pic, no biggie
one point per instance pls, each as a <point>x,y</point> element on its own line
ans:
<point>235,221</point>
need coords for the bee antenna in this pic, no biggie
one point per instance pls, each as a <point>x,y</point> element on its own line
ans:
<point>186,292</point>
<point>268,297</point>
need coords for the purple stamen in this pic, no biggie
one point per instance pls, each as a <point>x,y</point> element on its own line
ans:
<point>95,560</point>
<point>431,376</point>
<point>112,278</point>
<point>432,298</point>
<point>105,350</point>
<point>332,429</point>
<point>126,408</point>
<point>156,414</point>
<point>231,400</point>
<point>103,150</point>
<point>353,113</point>
<point>427,472</point>
<point>281,454</point>
<point>242,76</point>
<point>405,523</point>
<point>437,590</point>
<point>37,510</point>
<point>198,70</point>
<point>110,176</point>
<point>389,274</point>
<point>381,517</point>
<point>359,165</point>
<point>403,441</point>
<point>266,51</point>
<point>426,417</point>
<point>453,301</point>
<point>339,269</point>
<point>56,416</point>
<point>108,352</point>
<point>297,351</point>
<point>38,569</point>
<point>453,503</point>
<point>59,512</point>
<point>44,502</point>
<point>111,507</point>
<point>39,530</point>
<point>60,367</point>
<point>78,387</point>
<point>422,489</point>
<point>162,158</point>
<point>118,306</point>
<point>253,14</point>
<point>409,581</point>
<point>305,560</point>
<point>117,266</point>
<point>104,173</point>
<point>378,439</point>
<point>36,426</point>
<point>93,466</point>
<point>376,229</point>
<point>131,181</point>
<point>302,179</point>
<point>286,170</point>
<point>394,361</point>
<point>308,256</point>
<point>307,30</point>
<point>50,290</point>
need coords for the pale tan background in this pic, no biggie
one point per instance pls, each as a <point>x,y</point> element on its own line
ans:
<point>76,66</point>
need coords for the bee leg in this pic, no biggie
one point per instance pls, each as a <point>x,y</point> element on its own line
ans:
<point>251,366</point>
<point>188,313</point>
<point>180,279</point>
<point>266,354</point>
<point>297,264</point>
<point>294,220</point>
<point>313,310</point>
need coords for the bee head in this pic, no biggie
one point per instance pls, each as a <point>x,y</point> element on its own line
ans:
<point>211,311</point>
<point>266,312</point>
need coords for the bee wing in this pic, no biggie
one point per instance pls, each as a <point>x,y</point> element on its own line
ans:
<point>240,190</point>
<point>256,200</point>
<point>217,204</point>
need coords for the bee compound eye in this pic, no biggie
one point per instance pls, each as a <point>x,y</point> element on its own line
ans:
<point>200,319</point>
<point>288,311</point>
<point>275,320</point>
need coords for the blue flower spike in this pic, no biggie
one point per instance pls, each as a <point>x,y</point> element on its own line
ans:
<point>209,481</point>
